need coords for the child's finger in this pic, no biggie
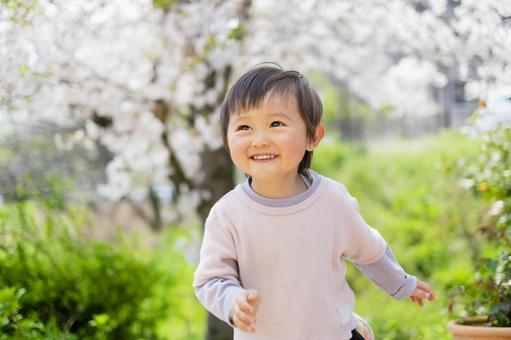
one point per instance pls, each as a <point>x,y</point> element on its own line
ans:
<point>242,316</point>
<point>424,295</point>
<point>243,326</point>
<point>246,307</point>
<point>418,301</point>
<point>253,295</point>
<point>423,285</point>
<point>254,299</point>
<point>417,297</point>
<point>431,295</point>
<point>240,322</point>
<point>421,294</point>
<point>242,300</point>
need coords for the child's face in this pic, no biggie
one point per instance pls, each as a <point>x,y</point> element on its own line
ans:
<point>268,142</point>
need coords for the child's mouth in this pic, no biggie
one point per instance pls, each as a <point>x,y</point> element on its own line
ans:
<point>263,157</point>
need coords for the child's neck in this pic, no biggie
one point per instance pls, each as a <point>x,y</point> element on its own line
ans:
<point>279,188</point>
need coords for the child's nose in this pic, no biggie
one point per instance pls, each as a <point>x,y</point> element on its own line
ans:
<point>260,139</point>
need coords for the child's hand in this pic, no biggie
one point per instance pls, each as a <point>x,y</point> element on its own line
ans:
<point>245,310</point>
<point>423,291</point>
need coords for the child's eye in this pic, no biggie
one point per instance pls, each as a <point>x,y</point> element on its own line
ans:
<point>242,128</point>
<point>276,123</point>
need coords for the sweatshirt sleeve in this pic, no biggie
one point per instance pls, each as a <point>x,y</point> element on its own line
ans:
<point>364,244</point>
<point>216,280</point>
<point>387,274</point>
<point>218,296</point>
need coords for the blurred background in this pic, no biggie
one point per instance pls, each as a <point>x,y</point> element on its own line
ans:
<point>111,153</point>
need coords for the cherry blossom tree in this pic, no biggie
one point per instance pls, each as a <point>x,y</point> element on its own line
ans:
<point>145,78</point>
<point>146,81</point>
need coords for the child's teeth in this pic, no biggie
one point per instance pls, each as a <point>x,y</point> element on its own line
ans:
<point>263,156</point>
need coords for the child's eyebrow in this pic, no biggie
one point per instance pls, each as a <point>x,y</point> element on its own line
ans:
<point>283,114</point>
<point>239,117</point>
<point>246,116</point>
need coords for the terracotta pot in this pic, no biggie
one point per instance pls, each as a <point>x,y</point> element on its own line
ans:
<point>465,332</point>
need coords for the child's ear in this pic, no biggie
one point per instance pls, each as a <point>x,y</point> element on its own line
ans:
<point>319,133</point>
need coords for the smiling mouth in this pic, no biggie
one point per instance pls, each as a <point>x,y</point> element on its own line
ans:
<point>263,157</point>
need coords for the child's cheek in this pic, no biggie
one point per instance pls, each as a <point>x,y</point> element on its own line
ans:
<point>237,149</point>
<point>237,144</point>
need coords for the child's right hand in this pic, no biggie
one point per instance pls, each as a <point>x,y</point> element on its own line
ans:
<point>245,310</point>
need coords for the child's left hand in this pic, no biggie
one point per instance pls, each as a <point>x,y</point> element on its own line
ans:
<point>423,291</point>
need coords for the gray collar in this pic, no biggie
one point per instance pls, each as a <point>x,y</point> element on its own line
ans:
<point>310,178</point>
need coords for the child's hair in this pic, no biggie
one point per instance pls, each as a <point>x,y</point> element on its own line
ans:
<point>261,81</point>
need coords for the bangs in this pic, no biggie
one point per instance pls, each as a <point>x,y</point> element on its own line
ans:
<point>254,87</point>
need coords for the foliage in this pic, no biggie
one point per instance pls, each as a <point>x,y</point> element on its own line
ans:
<point>489,177</point>
<point>20,10</point>
<point>58,284</point>
<point>187,317</point>
<point>331,155</point>
<point>164,4</point>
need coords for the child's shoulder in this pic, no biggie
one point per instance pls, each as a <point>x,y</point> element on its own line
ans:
<point>338,193</point>
<point>335,187</point>
<point>225,203</point>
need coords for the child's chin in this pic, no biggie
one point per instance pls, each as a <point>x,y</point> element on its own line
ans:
<point>265,175</point>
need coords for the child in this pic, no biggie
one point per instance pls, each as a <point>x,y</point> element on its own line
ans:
<point>272,258</point>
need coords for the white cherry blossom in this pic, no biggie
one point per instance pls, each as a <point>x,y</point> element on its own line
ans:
<point>155,78</point>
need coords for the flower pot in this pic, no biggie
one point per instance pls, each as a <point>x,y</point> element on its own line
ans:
<point>467,332</point>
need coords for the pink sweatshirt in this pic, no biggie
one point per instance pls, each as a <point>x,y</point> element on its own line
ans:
<point>293,255</point>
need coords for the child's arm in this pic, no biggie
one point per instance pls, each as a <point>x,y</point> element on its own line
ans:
<point>216,280</point>
<point>219,296</point>
<point>368,251</point>
<point>387,274</point>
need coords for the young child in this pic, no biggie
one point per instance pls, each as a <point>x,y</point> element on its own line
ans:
<point>272,258</point>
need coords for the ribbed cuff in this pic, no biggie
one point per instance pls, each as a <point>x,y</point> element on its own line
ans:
<point>407,288</point>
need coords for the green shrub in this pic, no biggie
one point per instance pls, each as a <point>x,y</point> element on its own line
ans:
<point>55,281</point>
<point>488,176</point>
<point>330,156</point>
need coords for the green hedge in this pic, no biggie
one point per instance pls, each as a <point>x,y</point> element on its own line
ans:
<point>58,284</point>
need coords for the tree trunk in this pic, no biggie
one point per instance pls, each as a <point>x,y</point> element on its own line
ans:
<point>217,329</point>
<point>218,180</point>
<point>156,223</point>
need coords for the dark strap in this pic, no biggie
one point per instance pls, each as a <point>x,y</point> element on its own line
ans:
<point>356,335</point>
